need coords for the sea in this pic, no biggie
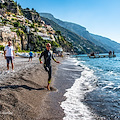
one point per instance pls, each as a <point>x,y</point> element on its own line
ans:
<point>95,94</point>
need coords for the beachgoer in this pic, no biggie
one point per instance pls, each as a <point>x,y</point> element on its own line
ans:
<point>113,53</point>
<point>48,54</point>
<point>38,55</point>
<point>110,53</point>
<point>92,54</point>
<point>31,55</point>
<point>9,55</point>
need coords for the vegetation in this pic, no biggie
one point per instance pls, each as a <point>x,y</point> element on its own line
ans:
<point>14,15</point>
<point>1,47</point>
<point>16,24</point>
<point>39,44</point>
<point>35,42</point>
<point>81,45</point>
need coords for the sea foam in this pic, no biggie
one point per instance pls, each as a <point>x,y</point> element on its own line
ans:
<point>73,106</point>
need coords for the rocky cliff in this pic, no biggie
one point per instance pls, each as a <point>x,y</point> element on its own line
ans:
<point>31,15</point>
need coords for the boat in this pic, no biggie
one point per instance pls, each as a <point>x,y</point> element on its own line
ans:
<point>101,56</point>
<point>1,52</point>
<point>23,55</point>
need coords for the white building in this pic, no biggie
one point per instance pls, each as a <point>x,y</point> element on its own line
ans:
<point>2,1</point>
<point>59,49</point>
<point>45,36</point>
<point>5,29</point>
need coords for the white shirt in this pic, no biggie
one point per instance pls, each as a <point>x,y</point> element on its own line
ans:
<point>9,51</point>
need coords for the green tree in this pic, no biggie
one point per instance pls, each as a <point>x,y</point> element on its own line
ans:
<point>58,32</point>
<point>21,33</point>
<point>16,24</point>
<point>1,47</point>
<point>6,4</point>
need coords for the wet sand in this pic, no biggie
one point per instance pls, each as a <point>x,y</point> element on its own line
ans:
<point>63,81</point>
<point>23,94</point>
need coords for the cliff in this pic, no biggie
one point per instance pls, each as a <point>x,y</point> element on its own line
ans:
<point>26,29</point>
<point>31,15</point>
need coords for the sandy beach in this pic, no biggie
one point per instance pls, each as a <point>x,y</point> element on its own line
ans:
<point>23,94</point>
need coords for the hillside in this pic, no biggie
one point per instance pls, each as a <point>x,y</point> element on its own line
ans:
<point>26,29</point>
<point>107,43</point>
<point>79,43</point>
<point>29,31</point>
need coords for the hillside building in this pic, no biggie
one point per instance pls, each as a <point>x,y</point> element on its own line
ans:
<point>2,1</point>
<point>45,36</point>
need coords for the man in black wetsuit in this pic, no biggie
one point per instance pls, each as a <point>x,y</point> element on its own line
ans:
<point>47,62</point>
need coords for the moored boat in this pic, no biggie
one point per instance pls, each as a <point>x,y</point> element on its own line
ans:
<point>24,55</point>
<point>102,56</point>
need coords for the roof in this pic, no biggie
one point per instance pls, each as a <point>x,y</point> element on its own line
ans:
<point>59,49</point>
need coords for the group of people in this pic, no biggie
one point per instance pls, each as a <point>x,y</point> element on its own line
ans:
<point>110,52</point>
<point>9,55</point>
<point>92,54</point>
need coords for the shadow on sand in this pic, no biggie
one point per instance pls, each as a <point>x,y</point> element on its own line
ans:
<point>20,86</point>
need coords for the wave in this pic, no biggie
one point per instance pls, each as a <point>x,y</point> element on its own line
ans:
<point>73,106</point>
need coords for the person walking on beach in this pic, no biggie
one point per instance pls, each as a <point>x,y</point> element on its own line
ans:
<point>48,54</point>
<point>9,55</point>
<point>31,55</point>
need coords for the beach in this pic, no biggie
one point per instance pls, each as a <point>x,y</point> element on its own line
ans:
<point>81,89</point>
<point>23,93</point>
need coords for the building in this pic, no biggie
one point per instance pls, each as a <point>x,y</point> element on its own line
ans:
<point>2,1</point>
<point>59,51</point>
<point>45,36</point>
<point>6,34</point>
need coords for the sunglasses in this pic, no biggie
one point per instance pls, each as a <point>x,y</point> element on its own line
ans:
<point>48,46</point>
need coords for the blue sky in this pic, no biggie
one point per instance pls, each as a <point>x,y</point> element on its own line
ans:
<point>101,17</point>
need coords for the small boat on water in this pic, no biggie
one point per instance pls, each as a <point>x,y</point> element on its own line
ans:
<point>102,56</point>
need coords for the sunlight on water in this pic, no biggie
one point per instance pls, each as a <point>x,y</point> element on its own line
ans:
<point>73,106</point>
<point>97,91</point>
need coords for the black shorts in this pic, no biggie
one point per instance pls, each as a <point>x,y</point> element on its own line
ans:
<point>30,57</point>
<point>10,58</point>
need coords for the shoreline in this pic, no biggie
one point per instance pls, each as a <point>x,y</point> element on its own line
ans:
<point>23,94</point>
<point>63,81</point>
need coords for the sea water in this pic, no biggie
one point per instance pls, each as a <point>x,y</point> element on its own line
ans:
<point>96,92</point>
